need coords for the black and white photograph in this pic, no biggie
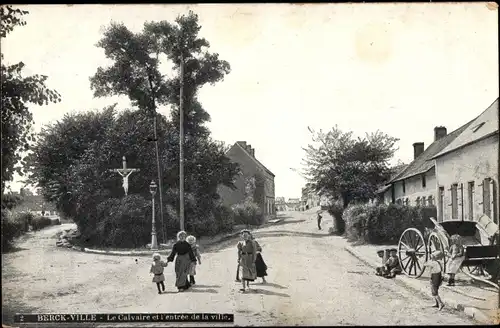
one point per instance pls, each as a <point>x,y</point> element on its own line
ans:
<point>250,164</point>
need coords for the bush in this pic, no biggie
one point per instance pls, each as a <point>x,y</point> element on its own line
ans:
<point>40,222</point>
<point>336,209</point>
<point>11,228</point>
<point>225,218</point>
<point>381,224</point>
<point>248,213</point>
<point>123,222</point>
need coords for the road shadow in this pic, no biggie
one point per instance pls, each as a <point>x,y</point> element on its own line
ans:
<point>210,291</point>
<point>272,284</point>
<point>282,233</point>
<point>169,292</point>
<point>11,307</point>
<point>268,292</point>
<point>206,286</point>
<point>288,222</point>
<point>13,249</point>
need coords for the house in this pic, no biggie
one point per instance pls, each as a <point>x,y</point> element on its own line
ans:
<point>36,204</point>
<point>467,171</point>
<point>253,172</point>
<point>466,158</point>
<point>310,198</point>
<point>293,204</point>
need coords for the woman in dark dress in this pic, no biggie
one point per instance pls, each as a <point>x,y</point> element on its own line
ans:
<point>260,265</point>
<point>184,256</point>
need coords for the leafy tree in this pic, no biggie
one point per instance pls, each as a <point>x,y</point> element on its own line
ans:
<point>135,73</point>
<point>17,93</point>
<point>348,168</point>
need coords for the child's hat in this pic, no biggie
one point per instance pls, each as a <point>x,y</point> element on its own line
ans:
<point>191,239</point>
<point>156,256</point>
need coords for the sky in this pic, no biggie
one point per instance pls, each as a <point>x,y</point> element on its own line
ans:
<point>399,68</point>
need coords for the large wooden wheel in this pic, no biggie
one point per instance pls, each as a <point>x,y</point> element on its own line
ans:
<point>412,252</point>
<point>436,245</point>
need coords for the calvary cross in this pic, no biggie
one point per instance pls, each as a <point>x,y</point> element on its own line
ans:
<point>125,173</point>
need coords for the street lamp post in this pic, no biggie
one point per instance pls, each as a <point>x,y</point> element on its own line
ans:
<point>154,241</point>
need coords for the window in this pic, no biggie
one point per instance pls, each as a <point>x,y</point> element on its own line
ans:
<point>407,201</point>
<point>477,127</point>
<point>470,199</point>
<point>441,204</point>
<point>486,197</point>
<point>430,201</point>
<point>454,201</point>
<point>418,201</point>
<point>424,182</point>
<point>404,187</point>
<point>424,203</point>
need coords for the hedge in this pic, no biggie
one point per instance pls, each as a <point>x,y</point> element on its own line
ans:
<point>40,222</point>
<point>384,224</point>
<point>248,213</point>
<point>12,227</point>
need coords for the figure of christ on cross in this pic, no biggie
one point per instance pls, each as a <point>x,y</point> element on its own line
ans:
<point>125,173</point>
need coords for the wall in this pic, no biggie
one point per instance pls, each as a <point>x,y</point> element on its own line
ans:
<point>248,169</point>
<point>414,189</point>
<point>471,163</point>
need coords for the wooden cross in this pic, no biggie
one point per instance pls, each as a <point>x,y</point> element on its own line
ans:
<point>125,173</point>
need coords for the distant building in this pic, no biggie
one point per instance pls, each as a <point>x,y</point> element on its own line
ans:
<point>293,204</point>
<point>280,204</point>
<point>35,204</point>
<point>467,171</point>
<point>251,169</point>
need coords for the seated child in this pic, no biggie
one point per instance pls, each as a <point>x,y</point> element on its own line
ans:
<point>391,266</point>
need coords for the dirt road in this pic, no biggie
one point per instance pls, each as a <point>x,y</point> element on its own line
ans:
<point>312,281</point>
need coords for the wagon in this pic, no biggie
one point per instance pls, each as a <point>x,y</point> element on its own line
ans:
<point>481,256</point>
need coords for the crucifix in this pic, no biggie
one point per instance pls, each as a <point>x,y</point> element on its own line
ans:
<point>125,173</point>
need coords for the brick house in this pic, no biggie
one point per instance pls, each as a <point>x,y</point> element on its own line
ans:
<point>251,169</point>
<point>467,171</point>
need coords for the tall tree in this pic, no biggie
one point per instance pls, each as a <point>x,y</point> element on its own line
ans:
<point>17,93</point>
<point>135,73</point>
<point>348,168</point>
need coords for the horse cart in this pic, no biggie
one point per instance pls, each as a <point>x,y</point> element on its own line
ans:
<point>481,261</point>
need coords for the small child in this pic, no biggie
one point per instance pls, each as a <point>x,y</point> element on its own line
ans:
<point>456,258</point>
<point>192,270</point>
<point>391,266</point>
<point>157,269</point>
<point>436,277</point>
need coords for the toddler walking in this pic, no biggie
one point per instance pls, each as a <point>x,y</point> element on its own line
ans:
<point>192,270</point>
<point>436,277</point>
<point>157,269</point>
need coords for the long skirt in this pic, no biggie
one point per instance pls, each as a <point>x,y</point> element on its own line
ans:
<point>455,264</point>
<point>260,266</point>
<point>248,270</point>
<point>182,266</point>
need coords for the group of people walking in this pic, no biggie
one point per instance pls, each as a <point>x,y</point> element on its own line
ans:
<point>187,256</point>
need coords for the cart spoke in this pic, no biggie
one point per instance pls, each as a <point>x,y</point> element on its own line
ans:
<point>406,246</point>
<point>405,258</point>
<point>411,266</point>
<point>419,267</point>
<point>419,247</point>
<point>406,265</point>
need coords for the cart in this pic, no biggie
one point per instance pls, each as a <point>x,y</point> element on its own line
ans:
<point>481,254</point>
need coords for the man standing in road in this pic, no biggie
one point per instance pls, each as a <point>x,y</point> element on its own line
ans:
<point>319,220</point>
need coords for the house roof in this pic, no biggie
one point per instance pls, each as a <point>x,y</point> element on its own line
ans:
<point>254,159</point>
<point>423,163</point>
<point>485,125</point>
<point>385,187</point>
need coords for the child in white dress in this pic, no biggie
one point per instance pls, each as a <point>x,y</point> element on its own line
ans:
<point>192,270</point>
<point>157,269</point>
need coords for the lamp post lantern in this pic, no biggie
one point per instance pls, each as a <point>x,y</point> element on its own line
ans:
<point>154,242</point>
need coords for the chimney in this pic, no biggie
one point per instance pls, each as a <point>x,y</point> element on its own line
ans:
<point>439,132</point>
<point>250,150</point>
<point>418,149</point>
